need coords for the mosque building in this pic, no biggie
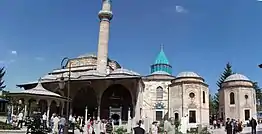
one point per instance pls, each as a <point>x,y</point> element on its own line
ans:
<point>99,87</point>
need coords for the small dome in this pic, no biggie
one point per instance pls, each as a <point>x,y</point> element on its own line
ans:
<point>160,72</point>
<point>123,71</point>
<point>236,77</point>
<point>87,55</point>
<point>187,74</point>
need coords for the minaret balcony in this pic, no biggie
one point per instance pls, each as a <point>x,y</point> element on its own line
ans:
<point>105,15</point>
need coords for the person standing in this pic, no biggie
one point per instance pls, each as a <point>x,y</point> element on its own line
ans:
<point>139,129</point>
<point>56,122</point>
<point>109,127</point>
<point>228,126</point>
<point>103,127</point>
<point>44,117</point>
<point>154,128</point>
<point>62,125</point>
<point>253,124</point>
<point>20,119</point>
<point>215,123</point>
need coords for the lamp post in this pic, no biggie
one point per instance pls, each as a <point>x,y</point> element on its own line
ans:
<point>62,86</point>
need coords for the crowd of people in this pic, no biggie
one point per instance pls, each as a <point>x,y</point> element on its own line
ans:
<point>56,124</point>
<point>233,126</point>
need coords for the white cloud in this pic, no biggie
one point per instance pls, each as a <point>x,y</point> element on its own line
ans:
<point>259,0</point>
<point>14,52</point>
<point>181,9</point>
<point>39,58</point>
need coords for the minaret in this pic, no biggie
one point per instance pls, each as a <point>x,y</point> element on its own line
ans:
<point>105,15</point>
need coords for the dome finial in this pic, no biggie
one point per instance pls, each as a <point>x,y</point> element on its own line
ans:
<point>162,47</point>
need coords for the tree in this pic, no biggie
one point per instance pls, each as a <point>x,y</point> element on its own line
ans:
<point>227,72</point>
<point>258,95</point>
<point>2,74</point>
<point>212,108</point>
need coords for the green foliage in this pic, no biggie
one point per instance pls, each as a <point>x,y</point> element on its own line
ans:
<point>203,130</point>
<point>215,99</point>
<point>258,90</point>
<point>161,127</point>
<point>2,74</point>
<point>227,72</point>
<point>258,94</point>
<point>177,127</point>
<point>4,126</point>
<point>212,105</point>
<point>120,130</point>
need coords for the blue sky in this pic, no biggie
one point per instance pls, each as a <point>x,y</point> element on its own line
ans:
<point>199,35</point>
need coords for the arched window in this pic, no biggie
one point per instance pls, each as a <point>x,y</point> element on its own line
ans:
<point>204,97</point>
<point>232,98</point>
<point>159,93</point>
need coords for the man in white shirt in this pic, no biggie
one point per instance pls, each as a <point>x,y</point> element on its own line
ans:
<point>20,119</point>
<point>56,121</point>
<point>44,117</point>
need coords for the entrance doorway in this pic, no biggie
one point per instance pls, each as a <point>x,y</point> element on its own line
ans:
<point>247,114</point>
<point>116,97</point>
<point>192,116</point>
<point>115,118</point>
<point>85,97</point>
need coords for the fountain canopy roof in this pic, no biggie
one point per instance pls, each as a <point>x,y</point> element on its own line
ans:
<point>40,90</point>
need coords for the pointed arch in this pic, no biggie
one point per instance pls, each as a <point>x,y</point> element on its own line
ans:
<point>159,93</point>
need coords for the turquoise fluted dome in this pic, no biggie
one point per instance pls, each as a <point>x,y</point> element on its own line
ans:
<point>161,65</point>
<point>161,58</point>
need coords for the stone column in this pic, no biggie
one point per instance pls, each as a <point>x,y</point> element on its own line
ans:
<point>109,112</point>
<point>57,107</point>
<point>48,112</point>
<point>25,112</point>
<point>120,119</point>
<point>62,108</point>
<point>12,109</point>
<point>86,110</point>
<point>129,122</point>
<point>98,108</point>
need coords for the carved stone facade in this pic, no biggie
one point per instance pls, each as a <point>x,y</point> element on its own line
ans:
<point>155,98</point>
<point>189,96</point>
<point>237,98</point>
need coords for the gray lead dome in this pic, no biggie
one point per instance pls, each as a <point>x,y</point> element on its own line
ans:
<point>124,71</point>
<point>187,74</point>
<point>236,77</point>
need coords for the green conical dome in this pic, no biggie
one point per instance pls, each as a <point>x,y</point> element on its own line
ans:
<point>161,58</point>
<point>161,65</point>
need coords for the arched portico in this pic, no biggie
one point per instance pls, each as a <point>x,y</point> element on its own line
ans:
<point>85,98</point>
<point>37,99</point>
<point>116,99</point>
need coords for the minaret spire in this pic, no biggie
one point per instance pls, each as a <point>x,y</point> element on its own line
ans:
<point>105,15</point>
